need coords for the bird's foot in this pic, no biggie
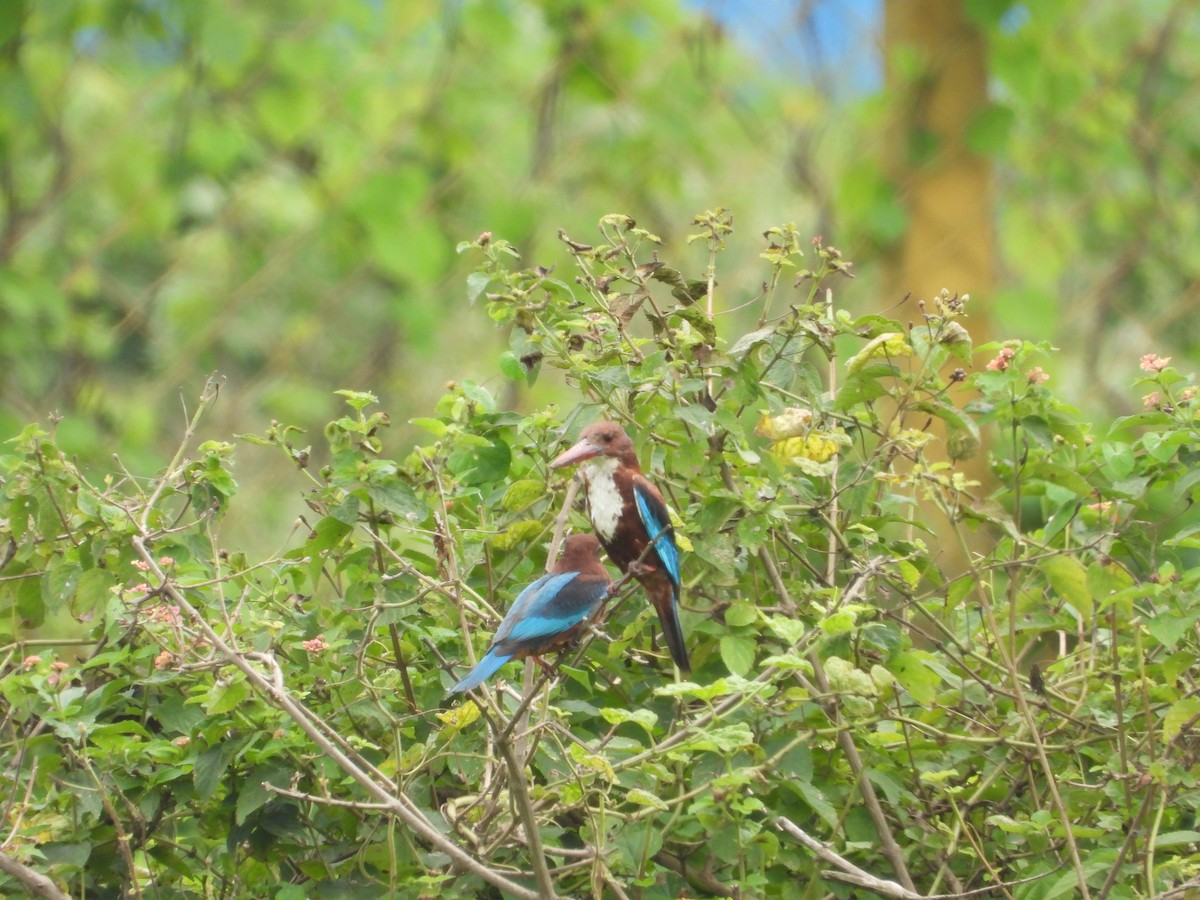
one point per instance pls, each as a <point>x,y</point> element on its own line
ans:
<point>640,569</point>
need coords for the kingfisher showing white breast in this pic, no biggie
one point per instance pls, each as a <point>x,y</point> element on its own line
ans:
<point>629,514</point>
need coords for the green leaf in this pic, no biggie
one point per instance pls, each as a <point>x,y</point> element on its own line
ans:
<point>357,399</point>
<point>177,716</point>
<point>31,604</point>
<point>399,499</point>
<point>436,427</point>
<point>863,387</point>
<point>957,590</point>
<point>787,629</point>
<point>510,366</point>
<point>481,465</point>
<point>477,283</point>
<point>1061,476</point>
<point>696,415</point>
<point>816,800</point>
<point>75,855</point>
<point>855,686</point>
<point>963,432</point>
<point>517,533</point>
<point>912,670</point>
<point>640,797</point>
<point>872,325</point>
<point>1107,581</point>
<point>841,622</point>
<point>737,652</point>
<point>1176,838</point>
<point>741,614</point>
<point>1069,579</point>
<point>1067,884</point>
<point>1169,628</point>
<point>725,739</point>
<point>59,583</point>
<point>226,696</point>
<point>522,494</point>
<point>1179,714</point>
<point>643,717</point>
<point>346,512</point>
<point>251,793</point>
<point>1012,826</point>
<point>748,342</point>
<point>708,692</point>
<point>91,593</point>
<point>211,765</point>
<point>1118,460</point>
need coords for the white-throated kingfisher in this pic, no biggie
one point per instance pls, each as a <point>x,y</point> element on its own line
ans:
<point>550,613</point>
<point>629,514</point>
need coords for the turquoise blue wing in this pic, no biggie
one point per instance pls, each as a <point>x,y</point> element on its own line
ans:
<point>543,610</point>
<point>653,513</point>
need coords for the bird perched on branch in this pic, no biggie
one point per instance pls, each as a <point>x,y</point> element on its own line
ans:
<point>550,613</point>
<point>629,515</point>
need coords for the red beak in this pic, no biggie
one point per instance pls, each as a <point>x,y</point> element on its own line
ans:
<point>585,449</point>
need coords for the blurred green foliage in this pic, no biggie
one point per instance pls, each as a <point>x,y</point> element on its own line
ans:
<point>274,190</point>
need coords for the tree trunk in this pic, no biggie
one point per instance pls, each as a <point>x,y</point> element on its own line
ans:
<point>936,69</point>
<point>945,187</point>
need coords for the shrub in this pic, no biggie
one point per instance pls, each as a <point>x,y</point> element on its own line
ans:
<point>950,685</point>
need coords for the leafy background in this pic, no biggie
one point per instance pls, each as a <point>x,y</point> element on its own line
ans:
<point>275,191</point>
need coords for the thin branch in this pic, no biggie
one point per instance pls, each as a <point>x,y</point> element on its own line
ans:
<point>274,691</point>
<point>697,878</point>
<point>208,397</point>
<point>519,792</point>
<point>38,884</point>
<point>400,806</point>
<point>831,561</point>
<point>324,801</point>
<point>123,838</point>
<point>847,871</point>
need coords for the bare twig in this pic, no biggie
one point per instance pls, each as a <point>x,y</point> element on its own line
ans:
<point>831,560</point>
<point>38,884</point>
<point>852,874</point>
<point>698,878</point>
<point>325,801</point>
<point>123,838</point>
<point>847,871</point>
<point>519,791</point>
<point>208,397</point>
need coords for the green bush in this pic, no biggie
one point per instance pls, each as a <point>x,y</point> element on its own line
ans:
<point>951,685</point>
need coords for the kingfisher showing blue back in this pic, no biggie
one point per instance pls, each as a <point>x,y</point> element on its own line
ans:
<point>629,514</point>
<point>550,613</point>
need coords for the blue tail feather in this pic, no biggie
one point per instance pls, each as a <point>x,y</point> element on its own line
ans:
<point>487,667</point>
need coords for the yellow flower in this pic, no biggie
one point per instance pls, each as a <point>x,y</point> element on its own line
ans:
<point>818,447</point>
<point>890,344</point>
<point>792,422</point>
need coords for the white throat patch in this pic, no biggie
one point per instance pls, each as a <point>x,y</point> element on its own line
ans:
<point>604,500</point>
